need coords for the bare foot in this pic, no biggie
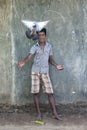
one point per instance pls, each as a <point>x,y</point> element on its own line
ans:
<point>39,117</point>
<point>56,116</point>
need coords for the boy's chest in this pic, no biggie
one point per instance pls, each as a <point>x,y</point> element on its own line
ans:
<point>42,51</point>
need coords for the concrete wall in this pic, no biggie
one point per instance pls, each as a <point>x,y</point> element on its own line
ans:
<point>68,35</point>
<point>5,51</point>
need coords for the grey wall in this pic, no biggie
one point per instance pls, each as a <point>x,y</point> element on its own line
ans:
<point>5,51</point>
<point>68,35</point>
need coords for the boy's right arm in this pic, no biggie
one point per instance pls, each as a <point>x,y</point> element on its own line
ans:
<point>26,59</point>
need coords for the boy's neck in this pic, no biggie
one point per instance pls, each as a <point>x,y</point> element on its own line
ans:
<point>42,43</point>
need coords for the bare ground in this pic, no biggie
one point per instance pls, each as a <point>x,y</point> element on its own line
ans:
<point>22,117</point>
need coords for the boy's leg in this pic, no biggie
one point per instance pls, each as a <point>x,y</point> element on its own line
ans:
<point>35,91</point>
<point>36,101</point>
<point>49,90</point>
<point>52,103</point>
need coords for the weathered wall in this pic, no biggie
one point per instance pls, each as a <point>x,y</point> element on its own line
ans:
<point>68,34</point>
<point>5,51</point>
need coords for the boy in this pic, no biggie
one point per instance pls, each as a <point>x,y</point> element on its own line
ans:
<point>42,52</point>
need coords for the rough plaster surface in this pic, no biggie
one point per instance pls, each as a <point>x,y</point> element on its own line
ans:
<point>68,35</point>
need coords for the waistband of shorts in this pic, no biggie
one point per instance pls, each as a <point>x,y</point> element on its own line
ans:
<point>38,73</point>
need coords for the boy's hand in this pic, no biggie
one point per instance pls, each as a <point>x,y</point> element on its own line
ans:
<point>21,64</point>
<point>59,67</point>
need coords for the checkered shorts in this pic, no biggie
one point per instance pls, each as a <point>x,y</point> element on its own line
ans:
<point>42,79</point>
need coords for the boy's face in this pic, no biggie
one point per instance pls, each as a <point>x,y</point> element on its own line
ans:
<point>42,37</point>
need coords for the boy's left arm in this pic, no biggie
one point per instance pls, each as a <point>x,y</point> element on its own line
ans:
<point>52,62</point>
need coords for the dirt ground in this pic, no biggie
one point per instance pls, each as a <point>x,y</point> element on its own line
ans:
<point>22,117</point>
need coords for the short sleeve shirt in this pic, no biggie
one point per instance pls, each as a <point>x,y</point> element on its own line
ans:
<point>41,57</point>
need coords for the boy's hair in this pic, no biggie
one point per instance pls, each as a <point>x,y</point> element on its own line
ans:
<point>43,30</point>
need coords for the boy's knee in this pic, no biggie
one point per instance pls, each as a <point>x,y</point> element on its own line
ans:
<point>50,94</point>
<point>36,94</point>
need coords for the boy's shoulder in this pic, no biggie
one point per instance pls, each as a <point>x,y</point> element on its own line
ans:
<point>37,44</point>
<point>49,44</point>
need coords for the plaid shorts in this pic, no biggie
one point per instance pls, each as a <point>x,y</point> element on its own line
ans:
<point>41,80</point>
